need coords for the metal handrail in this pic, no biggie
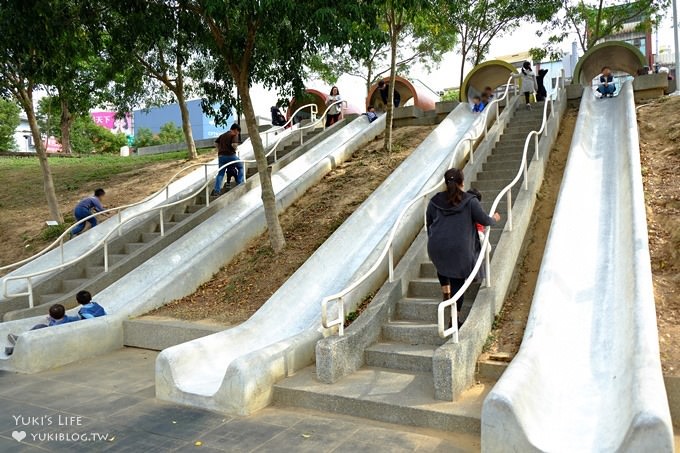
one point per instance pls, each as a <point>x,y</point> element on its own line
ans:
<point>389,246</point>
<point>118,209</point>
<point>105,240</point>
<point>486,247</point>
<point>313,110</point>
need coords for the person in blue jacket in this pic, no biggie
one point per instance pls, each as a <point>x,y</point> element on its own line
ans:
<point>89,308</point>
<point>607,87</point>
<point>84,209</point>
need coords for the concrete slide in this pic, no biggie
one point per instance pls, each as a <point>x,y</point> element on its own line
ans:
<point>588,375</point>
<point>180,268</point>
<point>234,371</point>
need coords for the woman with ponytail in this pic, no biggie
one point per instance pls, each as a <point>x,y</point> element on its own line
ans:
<point>452,233</point>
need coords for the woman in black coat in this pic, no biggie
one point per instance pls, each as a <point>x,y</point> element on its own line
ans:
<point>452,235</point>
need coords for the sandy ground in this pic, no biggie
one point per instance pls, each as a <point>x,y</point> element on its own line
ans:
<point>245,283</point>
<point>24,211</point>
<point>508,331</point>
<point>659,126</point>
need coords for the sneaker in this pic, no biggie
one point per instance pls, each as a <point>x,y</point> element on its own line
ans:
<point>12,338</point>
<point>215,193</point>
<point>528,106</point>
<point>9,350</point>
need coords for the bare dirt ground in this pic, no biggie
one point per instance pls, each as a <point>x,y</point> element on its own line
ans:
<point>244,284</point>
<point>506,336</point>
<point>659,126</point>
<point>24,210</point>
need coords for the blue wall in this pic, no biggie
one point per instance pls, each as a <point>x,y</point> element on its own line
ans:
<point>202,126</point>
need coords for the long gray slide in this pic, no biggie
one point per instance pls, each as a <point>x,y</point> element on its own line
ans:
<point>234,371</point>
<point>588,375</point>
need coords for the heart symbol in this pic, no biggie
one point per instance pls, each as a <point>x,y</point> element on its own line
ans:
<point>19,435</point>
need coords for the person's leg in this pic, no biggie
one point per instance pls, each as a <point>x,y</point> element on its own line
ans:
<point>329,119</point>
<point>527,97</point>
<point>611,89</point>
<point>79,214</point>
<point>456,285</point>
<point>221,161</point>
<point>241,172</point>
<point>446,286</point>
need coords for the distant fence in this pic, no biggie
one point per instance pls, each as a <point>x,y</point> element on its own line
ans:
<point>173,147</point>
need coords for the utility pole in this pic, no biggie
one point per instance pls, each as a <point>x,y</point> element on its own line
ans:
<point>677,48</point>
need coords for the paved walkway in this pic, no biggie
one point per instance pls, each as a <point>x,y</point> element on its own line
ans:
<point>108,404</point>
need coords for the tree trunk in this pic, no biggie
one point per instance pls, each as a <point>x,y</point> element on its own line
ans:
<point>186,123</point>
<point>48,183</point>
<point>390,96</point>
<point>65,125</point>
<point>186,120</point>
<point>462,79</point>
<point>276,237</point>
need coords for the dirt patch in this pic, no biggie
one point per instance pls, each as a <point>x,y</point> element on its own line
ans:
<point>506,336</point>
<point>126,180</point>
<point>243,285</point>
<point>659,126</point>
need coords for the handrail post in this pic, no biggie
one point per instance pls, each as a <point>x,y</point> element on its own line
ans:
<point>162,223</point>
<point>61,249</point>
<point>29,283</point>
<point>498,112</point>
<point>205,167</point>
<point>341,317</point>
<point>487,264</point>
<point>526,175</point>
<point>106,256</point>
<point>536,149</point>
<point>390,259</point>
<point>472,151</point>
<point>509,222</point>
<point>454,309</point>
<point>167,192</point>
<point>425,210</point>
<point>207,195</point>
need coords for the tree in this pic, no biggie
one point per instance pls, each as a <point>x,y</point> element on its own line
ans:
<point>481,21</point>
<point>400,17</point>
<point>592,22</point>
<point>366,56</point>
<point>159,39</point>
<point>266,42</point>
<point>38,38</point>
<point>9,121</point>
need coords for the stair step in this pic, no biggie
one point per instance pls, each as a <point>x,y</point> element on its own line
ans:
<point>508,174</point>
<point>495,185</point>
<point>400,356</point>
<point>403,397</point>
<point>168,226</point>
<point>132,247</point>
<point>194,208</point>
<point>506,155</point>
<point>428,288</point>
<point>418,309</point>
<point>412,332</point>
<point>93,271</point>
<point>148,237</point>
<point>69,285</point>
<point>51,298</point>
<point>116,258</point>
<point>177,218</point>
<point>500,165</point>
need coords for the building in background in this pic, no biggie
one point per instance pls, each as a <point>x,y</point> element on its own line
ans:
<point>635,32</point>
<point>203,126</point>
<point>22,136</point>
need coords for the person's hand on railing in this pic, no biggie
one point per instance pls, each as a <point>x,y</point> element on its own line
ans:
<point>496,217</point>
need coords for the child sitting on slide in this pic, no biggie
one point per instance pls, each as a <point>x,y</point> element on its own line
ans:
<point>57,316</point>
<point>89,309</point>
<point>607,87</point>
<point>477,106</point>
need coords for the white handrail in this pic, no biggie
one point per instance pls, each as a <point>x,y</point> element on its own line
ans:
<point>60,240</point>
<point>105,240</point>
<point>389,246</point>
<point>486,247</point>
<point>313,110</point>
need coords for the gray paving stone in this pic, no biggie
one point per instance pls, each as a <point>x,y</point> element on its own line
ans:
<point>241,435</point>
<point>8,444</point>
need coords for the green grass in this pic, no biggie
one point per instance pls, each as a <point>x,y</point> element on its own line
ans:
<point>21,176</point>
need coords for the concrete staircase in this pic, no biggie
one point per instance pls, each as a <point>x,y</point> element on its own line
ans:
<point>396,383</point>
<point>141,243</point>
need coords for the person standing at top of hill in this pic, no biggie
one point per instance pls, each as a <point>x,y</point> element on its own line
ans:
<point>528,80</point>
<point>227,145</point>
<point>84,209</point>
<point>333,115</point>
<point>384,89</point>
<point>452,239</point>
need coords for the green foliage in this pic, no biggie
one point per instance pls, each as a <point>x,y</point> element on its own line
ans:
<point>144,137</point>
<point>450,95</point>
<point>52,232</point>
<point>9,121</point>
<point>170,133</point>
<point>592,22</point>
<point>87,137</point>
<point>481,21</point>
